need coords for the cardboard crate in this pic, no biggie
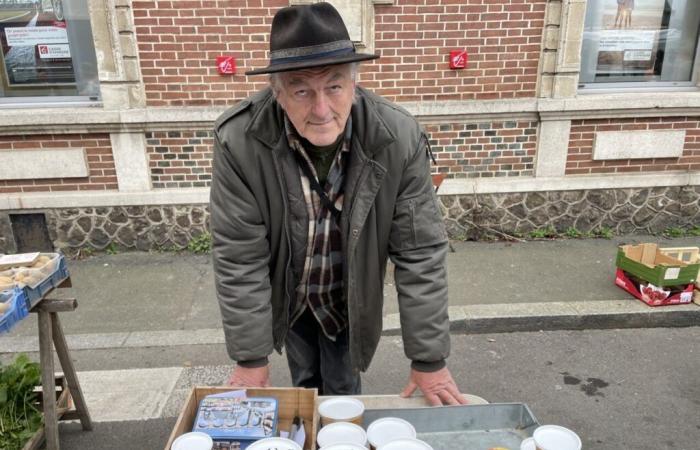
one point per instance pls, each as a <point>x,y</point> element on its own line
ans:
<point>689,255</point>
<point>678,295</point>
<point>291,402</point>
<point>647,262</point>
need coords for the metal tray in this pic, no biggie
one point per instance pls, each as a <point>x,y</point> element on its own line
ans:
<point>467,427</point>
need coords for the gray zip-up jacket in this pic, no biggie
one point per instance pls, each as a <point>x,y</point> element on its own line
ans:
<point>390,210</point>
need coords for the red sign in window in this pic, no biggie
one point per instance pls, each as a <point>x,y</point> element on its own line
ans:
<point>226,65</point>
<point>458,59</point>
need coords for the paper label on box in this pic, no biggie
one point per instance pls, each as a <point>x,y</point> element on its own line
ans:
<point>672,273</point>
<point>686,297</point>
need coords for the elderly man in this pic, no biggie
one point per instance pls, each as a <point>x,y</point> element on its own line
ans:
<point>317,182</point>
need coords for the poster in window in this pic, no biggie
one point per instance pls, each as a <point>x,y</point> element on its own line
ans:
<point>35,44</point>
<point>629,38</point>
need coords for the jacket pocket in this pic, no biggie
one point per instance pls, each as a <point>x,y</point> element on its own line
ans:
<point>417,223</point>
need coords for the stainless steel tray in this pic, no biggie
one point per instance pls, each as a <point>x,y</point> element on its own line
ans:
<point>467,427</point>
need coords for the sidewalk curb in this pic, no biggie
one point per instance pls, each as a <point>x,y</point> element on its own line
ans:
<point>518,317</point>
<point>472,319</point>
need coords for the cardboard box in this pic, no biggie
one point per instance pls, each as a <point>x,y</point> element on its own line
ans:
<point>654,295</point>
<point>291,402</point>
<point>647,262</point>
<point>688,255</point>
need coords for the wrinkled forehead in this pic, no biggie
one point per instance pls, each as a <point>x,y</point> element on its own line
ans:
<point>316,75</point>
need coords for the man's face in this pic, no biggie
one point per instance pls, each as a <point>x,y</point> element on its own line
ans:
<point>317,101</point>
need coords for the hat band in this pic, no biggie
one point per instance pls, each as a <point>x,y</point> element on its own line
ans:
<point>311,52</point>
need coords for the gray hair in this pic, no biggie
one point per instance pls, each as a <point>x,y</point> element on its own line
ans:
<point>276,77</point>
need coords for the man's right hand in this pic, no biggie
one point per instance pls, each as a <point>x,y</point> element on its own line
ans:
<point>250,377</point>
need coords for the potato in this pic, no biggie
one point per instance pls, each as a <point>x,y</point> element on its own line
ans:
<point>4,307</point>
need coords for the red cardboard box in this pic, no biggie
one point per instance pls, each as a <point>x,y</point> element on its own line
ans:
<point>654,295</point>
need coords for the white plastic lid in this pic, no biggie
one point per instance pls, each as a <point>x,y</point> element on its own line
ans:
<point>341,432</point>
<point>528,444</point>
<point>274,443</point>
<point>388,429</point>
<point>341,408</point>
<point>193,441</point>
<point>554,437</point>
<point>344,446</point>
<point>406,444</point>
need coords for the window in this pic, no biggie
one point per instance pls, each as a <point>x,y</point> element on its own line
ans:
<point>640,43</point>
<point>47,52</point>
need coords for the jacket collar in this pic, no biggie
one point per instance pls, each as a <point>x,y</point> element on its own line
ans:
<point>267,123</point>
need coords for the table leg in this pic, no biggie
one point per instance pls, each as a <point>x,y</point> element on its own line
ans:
<point>48,382</point>
<point>59,340</point>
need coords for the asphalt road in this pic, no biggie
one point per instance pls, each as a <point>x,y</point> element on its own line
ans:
<point>619,389</point>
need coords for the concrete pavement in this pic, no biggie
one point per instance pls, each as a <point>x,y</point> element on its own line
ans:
<point>618,389</point>
<point>148,327</point>
<point>154,299</point>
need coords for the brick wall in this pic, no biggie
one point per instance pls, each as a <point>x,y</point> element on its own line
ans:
<point>580,155</point>
<point>179,159</point>
<point>98,150</point>
<point>503,38</point>
<point>487,149</point>
<point>178,43</point>
<point>462,150</point>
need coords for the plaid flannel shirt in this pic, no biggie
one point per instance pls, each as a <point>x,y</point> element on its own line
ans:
<point>321,285</point>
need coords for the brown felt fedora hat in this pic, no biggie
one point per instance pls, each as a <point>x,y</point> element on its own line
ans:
<point>304,36</point>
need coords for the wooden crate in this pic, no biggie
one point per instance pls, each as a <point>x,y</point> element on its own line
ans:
<point>64,404</point>
<point>291,402</point>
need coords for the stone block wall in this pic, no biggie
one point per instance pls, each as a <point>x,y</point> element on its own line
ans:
<point>131,227</point>
<point>650,210</point>
<point>625,211</point>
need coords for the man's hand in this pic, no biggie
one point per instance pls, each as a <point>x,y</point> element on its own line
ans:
<point>250,377</point>
<point>438,387</point>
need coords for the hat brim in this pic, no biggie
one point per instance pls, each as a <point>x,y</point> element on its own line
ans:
<point>330,61</point>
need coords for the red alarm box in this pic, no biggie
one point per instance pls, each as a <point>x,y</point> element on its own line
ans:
<point>226,65</point>
<point>458,59</point>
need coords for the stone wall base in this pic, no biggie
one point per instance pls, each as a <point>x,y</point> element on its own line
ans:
<point>126,228</point>
<point>624,211</point>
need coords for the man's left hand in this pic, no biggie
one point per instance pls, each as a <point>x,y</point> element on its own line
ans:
<point>438,387</point>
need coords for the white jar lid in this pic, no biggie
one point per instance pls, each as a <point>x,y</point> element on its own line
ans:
<point>341,408</point>
<point>193,441</point>
<point>389,429</point>
<point>344,446</point>
<point>554,437</point>
<point>341,432</point>
<point>274,443</point>
<point>406,444</point>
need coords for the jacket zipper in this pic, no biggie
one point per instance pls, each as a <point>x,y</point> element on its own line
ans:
<point>357,365</point>
<point>288,300</point>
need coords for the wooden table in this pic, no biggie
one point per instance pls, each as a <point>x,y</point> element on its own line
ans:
<point>51,336</point>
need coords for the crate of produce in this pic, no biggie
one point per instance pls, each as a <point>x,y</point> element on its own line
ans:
<point>647,262</point>
<point>13,308</point>
<point>291,402</point>
<point>654,295</point>
<point>47,272</point>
